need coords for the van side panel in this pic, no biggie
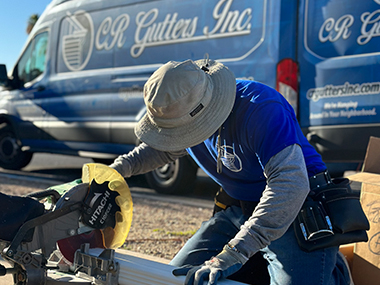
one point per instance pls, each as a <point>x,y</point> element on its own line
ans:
<point>102,52</point>
<point>340,85</point>
<point>122,45</point>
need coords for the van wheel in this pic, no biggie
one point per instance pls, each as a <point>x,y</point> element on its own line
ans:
<point>11,155</point>
<point>177,177</point>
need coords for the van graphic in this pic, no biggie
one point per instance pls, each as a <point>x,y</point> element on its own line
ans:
<point>78,42</point>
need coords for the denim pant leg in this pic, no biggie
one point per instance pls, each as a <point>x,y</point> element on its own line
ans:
<point>211,237</point>
<point>288,264</point>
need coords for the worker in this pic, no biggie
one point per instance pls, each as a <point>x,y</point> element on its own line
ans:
<point>246,137</point>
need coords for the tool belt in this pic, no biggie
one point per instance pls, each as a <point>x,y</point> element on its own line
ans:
<point>223,201</point>
<point>331,215</point>
<point>320,180</point>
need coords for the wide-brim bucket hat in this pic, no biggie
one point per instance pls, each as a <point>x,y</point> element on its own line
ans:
<point>186,102</point>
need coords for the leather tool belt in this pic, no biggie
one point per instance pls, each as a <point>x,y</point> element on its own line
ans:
<point>319,180</point>
<point>223,200</point>
<point>332,215</point>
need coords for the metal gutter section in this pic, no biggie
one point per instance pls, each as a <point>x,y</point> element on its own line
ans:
<point>136,270</point>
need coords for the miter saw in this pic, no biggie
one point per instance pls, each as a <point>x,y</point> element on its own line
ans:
<point>46,236</point>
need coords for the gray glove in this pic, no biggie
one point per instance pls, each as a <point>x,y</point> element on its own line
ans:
<point>224,264</point>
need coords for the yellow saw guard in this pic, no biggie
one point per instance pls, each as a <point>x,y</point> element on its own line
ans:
<point>113,237</point>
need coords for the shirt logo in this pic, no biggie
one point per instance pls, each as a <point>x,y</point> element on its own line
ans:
<point>230,159</point>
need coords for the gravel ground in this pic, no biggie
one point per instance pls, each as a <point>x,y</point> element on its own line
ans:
<point>158,228</point>
<point>161,229</point>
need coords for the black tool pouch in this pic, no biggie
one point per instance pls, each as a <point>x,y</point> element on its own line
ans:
<point>332,216</point>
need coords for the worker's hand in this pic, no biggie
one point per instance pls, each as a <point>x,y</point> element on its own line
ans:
<point>224,264</point>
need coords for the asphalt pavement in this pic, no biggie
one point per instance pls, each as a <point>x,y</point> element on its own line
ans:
<point>57,169</point>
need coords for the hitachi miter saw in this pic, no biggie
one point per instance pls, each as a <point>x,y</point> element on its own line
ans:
<point>47,236</point>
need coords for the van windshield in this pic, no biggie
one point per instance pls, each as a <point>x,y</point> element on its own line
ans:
<point>32,62</point>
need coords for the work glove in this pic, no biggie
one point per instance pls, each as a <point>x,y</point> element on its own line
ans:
<point>224,264</point>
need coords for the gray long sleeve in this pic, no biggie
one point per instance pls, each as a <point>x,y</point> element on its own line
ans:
<point>286,190</point>
<point>143,159</point>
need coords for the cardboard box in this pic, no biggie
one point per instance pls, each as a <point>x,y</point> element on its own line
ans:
<point>366,259</point>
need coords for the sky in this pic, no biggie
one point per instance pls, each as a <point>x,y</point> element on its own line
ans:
<point>14,17</point>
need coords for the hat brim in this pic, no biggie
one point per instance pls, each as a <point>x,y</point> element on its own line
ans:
<point>204,125</point>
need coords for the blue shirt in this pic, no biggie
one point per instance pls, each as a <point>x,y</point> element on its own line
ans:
<point>261,124</point>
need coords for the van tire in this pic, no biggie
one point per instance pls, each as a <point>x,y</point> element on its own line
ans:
<point>177,177</point>
<point>106,161</point>
<point>11,155</point>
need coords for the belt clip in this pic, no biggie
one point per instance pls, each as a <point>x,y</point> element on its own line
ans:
<point>327,179</point>
<point>321,179</point>
<point>220,205</point>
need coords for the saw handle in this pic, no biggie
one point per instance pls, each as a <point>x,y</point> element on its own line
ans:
<point>12,249</point>
<point>46,193</point>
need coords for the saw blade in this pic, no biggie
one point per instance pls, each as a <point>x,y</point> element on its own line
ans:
<point>70,245</point>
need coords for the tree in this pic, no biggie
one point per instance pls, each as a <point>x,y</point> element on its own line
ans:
<point>31,22</point>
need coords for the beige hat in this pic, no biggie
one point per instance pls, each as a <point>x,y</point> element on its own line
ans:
<point>186,103</point>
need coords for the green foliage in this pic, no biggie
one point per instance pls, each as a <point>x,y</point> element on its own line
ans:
<point>31,22</point>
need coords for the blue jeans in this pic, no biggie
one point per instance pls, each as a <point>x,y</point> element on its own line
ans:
<point>286,262</point>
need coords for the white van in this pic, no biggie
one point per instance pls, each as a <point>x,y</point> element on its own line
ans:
<point>76,88</point>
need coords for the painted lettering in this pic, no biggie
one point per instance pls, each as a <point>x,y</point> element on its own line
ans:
<point>370,27</point>
<point>172,29</point>
<point>153,29</point>
<point>229,21</point>
<point>112,32</point>
<point>332,30</point>
<point>148,31</point>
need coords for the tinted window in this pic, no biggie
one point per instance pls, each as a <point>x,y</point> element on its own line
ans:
<point>32,62</point>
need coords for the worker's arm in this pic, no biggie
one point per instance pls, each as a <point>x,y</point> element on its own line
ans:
<point>143,159</point>
<point>286,190</point>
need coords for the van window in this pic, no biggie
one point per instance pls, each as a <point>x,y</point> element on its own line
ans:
<point>32,62</point>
